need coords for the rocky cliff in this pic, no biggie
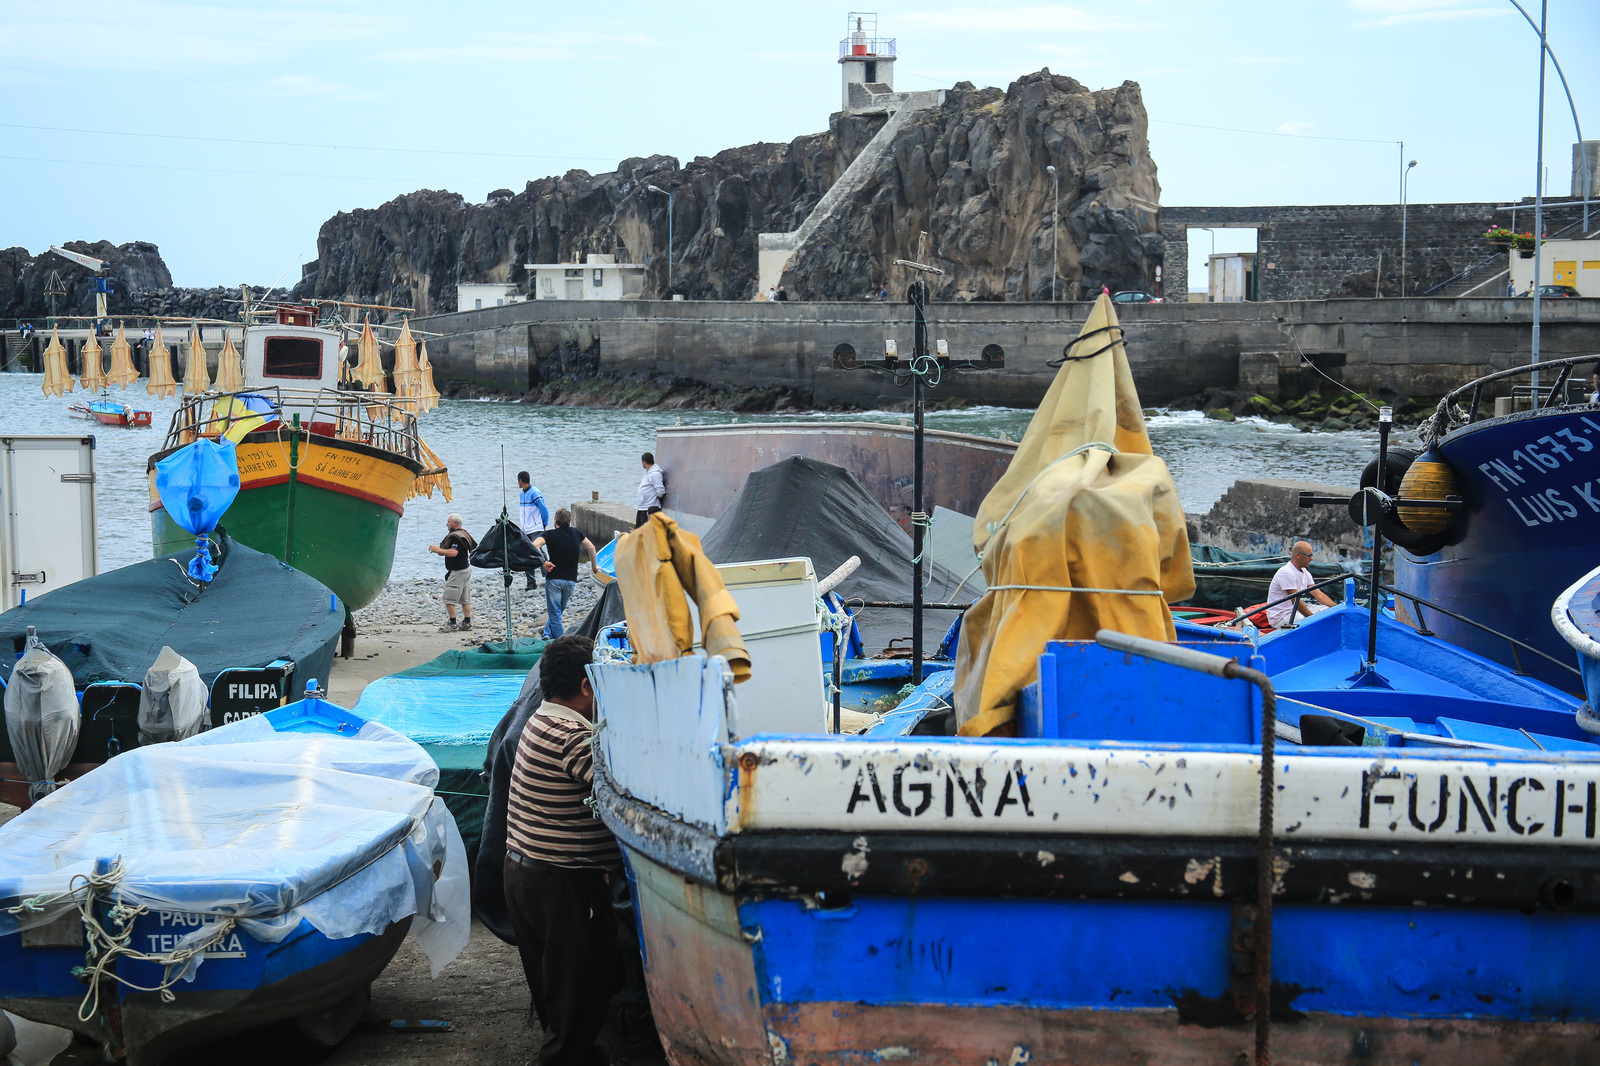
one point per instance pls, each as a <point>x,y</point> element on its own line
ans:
<point>140,282</point>
<point>971,173</point>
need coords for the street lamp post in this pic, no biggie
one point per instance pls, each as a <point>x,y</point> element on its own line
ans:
<point>1055,229</point>
<point>671,278</point>
<point>1403,176</point>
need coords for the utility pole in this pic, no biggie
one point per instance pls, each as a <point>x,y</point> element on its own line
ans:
<point>1538,204</point>
<point>1055,229</point>
<point>1403,260</point>
<point>922,371</point>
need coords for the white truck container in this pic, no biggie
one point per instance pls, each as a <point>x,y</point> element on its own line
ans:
<point>47,515</point>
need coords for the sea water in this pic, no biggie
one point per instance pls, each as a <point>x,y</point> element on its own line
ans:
<point>573,452</point>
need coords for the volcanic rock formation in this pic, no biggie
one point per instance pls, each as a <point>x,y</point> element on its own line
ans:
<point>141,285</point>
<point>970,173</point>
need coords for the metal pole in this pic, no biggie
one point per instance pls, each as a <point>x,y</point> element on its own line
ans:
<point>1406,174</point>
<point>1374,595</point>
<point>918,352</point>
<point>672,277</point>
<point>1055,230</point>
<point>1538,204</point>
<point>1583,157</point>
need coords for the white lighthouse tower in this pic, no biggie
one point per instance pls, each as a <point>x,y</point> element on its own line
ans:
<point>865,60</point>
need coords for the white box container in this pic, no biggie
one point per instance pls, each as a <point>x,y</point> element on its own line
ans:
<point>47,515</point>
<point>777,601</point>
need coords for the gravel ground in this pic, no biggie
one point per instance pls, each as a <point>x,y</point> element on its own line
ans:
<point>410,602</point>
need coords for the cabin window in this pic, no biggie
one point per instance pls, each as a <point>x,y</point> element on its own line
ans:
<point>292,357</point>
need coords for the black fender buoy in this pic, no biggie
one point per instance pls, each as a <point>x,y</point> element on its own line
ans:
<point>1394,473</point>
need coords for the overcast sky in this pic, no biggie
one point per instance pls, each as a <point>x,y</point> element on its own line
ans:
<point>145,119</point>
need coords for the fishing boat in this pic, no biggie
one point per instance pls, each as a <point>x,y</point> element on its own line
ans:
<point>109,412</point>
<point>1111,859</point>
<point>325,469</point>
<point>148,930</point>
<point>1395,685</point>
<point>1529,483</point>
<point>255,634</point>
<point>1576,616</point>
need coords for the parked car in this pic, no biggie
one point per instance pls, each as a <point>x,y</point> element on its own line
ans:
<point>1557,291</point>
<point>1135,296</point>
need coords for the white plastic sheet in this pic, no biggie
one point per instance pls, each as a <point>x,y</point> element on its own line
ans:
<point>172,700</point>
<point>269,828</point>
<point>41,716</point>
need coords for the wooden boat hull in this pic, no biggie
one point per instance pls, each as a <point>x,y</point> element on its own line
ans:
<point>332,513</point>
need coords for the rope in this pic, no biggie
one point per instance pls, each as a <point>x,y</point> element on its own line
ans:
<point>1112,343</point>
<point>1068,588</point>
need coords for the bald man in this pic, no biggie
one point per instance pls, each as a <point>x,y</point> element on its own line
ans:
<point>1294,576</point>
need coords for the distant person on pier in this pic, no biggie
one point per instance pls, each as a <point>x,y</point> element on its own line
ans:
<point>1594,384</point>
<point>456,547</point>
<point>535,517</point>
<point>883,294</point>
<point>563,547</point>
<point>1511,288</point>
<point>783,295</point>
<point>652,490</point>
<point>27,331</point>
<point>561,862</point>
<point>1292,577</point>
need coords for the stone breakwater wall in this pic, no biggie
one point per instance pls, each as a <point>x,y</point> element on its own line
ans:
<point>1416,347</point>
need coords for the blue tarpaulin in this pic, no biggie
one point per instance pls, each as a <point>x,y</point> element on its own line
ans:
<point>196,484</point>
<point>441,710</point>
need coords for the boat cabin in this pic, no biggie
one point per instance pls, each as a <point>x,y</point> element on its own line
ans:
<point>292,353</point>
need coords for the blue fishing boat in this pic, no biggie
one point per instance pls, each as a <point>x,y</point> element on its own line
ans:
<point>1401,686</point>
<point>1529,526</point>
<point>1576,616</point>
<point>265,870</point>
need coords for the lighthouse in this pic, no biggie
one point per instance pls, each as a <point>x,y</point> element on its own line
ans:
<point>865,60</point>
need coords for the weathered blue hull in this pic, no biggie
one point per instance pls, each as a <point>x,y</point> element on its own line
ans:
<point>824,899</point>
<point>1529,527</point>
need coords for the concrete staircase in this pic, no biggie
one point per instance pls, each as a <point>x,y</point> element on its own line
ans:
<point>775,251</point>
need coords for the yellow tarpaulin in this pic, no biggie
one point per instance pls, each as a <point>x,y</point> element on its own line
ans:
<point>122,368</point>
<point>93,376</point>
<point>1084,506</point>
<point>369,367</point>
<point>234,417</point>
<point>196,376</point>
<point>161,381</point>
<point>57,379</point>
<point>429,395</point>
<point>658,567</point>
<point>230,370</point>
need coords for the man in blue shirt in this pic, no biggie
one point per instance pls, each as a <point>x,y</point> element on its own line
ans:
<point>535,516</point>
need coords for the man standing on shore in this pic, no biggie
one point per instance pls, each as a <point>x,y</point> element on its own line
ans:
<point>652,489</point>
<point>560,860</point>
<point>535,515</point>
<point>564,547</point>
<point>456,547</point>
<point>1294,576</point>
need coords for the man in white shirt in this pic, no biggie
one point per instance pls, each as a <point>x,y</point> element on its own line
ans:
<point>652,489</point>
<point>1294,576</point>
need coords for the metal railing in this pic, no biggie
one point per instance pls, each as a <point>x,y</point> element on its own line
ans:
<point>1444,417</point>
<point>876,48</point>
<point>379,421</point>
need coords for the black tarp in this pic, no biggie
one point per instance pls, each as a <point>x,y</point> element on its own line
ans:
<point>112,626</point>
<point>800,506</point>
<point>490,552</point>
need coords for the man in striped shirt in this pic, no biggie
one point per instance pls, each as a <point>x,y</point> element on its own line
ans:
<point>559,859</point>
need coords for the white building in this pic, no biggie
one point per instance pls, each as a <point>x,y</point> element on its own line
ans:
<point>599,277</point>
<point>1575,263</point>
<point>1233,277</point>
<point>473,296</point>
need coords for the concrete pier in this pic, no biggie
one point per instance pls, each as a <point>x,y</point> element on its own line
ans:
<point>1414,347</point>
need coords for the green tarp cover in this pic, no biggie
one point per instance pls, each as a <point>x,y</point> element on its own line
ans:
<point>490,658</point>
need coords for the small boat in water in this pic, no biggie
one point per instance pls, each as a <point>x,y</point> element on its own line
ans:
<point>131,921</point>
<point>109,412</point>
